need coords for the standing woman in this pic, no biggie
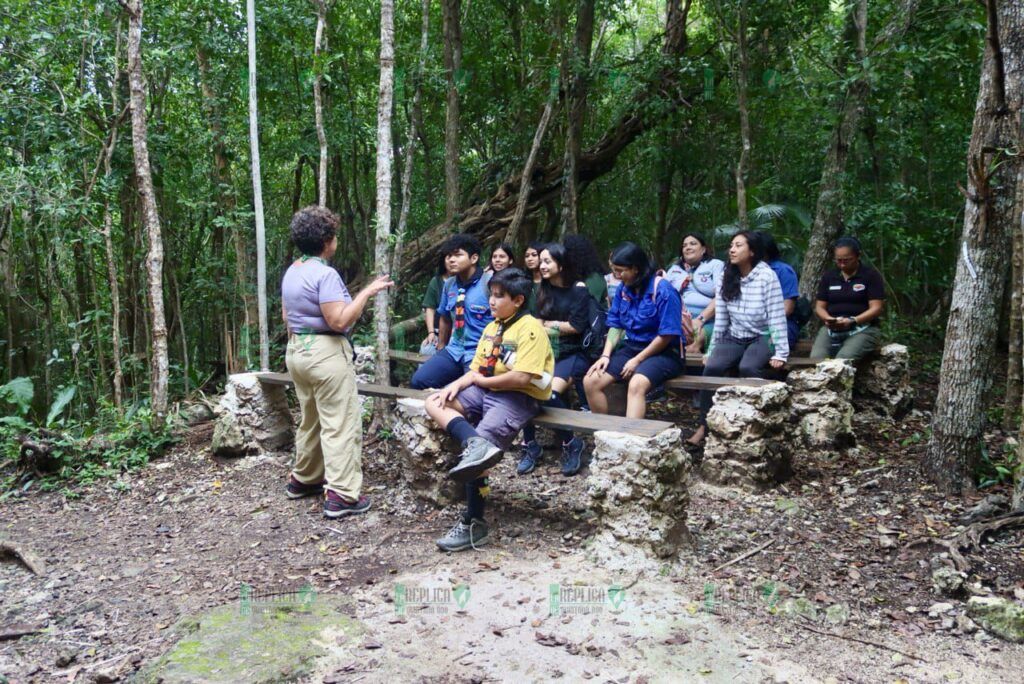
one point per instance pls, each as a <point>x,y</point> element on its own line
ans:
<point>696,275</point>
<point>318,313</point>
<point>750,320</point>
<point>563,307</point>
<point>850,300</point>
<point>648,312</point>
<point>501,257</point>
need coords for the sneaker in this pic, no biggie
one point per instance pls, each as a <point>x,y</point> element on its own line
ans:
<point>297,490</point>
<point>655,394</point>
<point>529,456</point>
<point>572,456</point>
<point>336,507</point>
<point>464,536</point>
<point>477,457</point>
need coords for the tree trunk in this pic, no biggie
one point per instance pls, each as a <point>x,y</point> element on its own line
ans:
<point>385,160</point>
<point>578,86</point>
<point>150,217</point>
<point>496,213</point>
<point>451,14</point>
<point>742,71</point>
<point>1012,401</point>
<point>525,182</point>
<point>108,244</point>
<point>318,105</point>
<point>257,191</point>
<point>989,221</point>
<point>410,141</point>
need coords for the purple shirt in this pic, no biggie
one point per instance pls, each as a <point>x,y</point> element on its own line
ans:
<point>304,288</point>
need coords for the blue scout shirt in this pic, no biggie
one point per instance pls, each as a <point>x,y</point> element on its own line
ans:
<point>790,290</point>
<point>477,313</point>
<point>646,316</point>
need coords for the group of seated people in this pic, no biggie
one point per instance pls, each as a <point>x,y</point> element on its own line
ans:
<point>506,341</point>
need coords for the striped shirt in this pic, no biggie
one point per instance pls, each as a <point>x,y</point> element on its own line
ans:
<point>757,311</point>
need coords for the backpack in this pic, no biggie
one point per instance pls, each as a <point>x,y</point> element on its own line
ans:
<point>597,330</point>
<point>803,312</point>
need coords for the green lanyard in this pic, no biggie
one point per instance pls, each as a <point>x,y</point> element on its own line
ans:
<point>306,257</point>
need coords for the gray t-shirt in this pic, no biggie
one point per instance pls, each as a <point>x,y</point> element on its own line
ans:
<point>305,287</point>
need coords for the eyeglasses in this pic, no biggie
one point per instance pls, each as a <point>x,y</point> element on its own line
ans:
<point>845,260</point>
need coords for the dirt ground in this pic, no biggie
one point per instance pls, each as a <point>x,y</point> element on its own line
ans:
<point>833,591</point>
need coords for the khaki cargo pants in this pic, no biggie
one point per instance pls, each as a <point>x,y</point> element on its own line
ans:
<point>329,439</point>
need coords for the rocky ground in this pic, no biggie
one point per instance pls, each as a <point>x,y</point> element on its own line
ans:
<point>836,576</point>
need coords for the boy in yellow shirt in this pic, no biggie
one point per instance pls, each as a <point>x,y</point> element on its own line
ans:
<point>508,380</point>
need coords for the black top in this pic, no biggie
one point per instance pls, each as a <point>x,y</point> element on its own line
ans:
<point>567,304</point>
<point>849,297</point>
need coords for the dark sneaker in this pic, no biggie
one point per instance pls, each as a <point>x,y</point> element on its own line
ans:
<point>529,455</point>
<point>296,490</point>
<point>464,536</point>
<point>572,456</point>
<point>656,394</point>
<point>336,507</point>
<point>477,457</point>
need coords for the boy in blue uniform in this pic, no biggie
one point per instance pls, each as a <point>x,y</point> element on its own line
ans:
<point>463,314</point>
<point>509,379</point>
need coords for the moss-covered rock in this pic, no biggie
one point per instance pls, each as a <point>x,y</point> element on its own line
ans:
<point>259,643</point>
<point>1000,616</point>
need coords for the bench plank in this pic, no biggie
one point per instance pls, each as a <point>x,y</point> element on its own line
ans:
<point>553,418</point>
<point>700,382</point>
<point>691,361</point>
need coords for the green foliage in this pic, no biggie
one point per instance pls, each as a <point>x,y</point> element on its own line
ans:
<point>998,468</point>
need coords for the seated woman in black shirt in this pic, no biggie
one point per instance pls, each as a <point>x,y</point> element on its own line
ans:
<point>563,307</point>
<point>850,300</point>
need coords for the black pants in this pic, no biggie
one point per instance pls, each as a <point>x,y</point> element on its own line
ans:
<point>749,357</point>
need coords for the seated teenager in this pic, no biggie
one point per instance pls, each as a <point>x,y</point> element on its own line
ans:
<point>696,276</point>
<point>647,311</point>
<point>588,266</point>
<point>850,300</point>
<point>509,378</point>
<point>431,300</point>
<point>788,281</point>
<point>463,313</point>
<point>563,307</point>
<point>501,258</point>
<point>750,321</point>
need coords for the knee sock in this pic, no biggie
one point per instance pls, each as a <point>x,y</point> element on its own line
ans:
<point>556,401</point>
<point>529,433</point>
<point>476,495</point>
<point>461,430</point>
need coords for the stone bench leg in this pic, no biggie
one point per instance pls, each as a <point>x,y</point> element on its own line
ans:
<point>638,488</point>
<point>748,441</point>
<point>427,453</point>
<point>882,387</point>
<point>821,408</point>
<point>252,418</point>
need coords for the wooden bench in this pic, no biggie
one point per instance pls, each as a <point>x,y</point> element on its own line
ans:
<point>691,361</point>
<point>553,418</point>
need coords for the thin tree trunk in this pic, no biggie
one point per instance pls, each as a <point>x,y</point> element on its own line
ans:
<point>526,181</point>
<point>108,243</point>
<point>989,221</point>
<point>410,141</point>
<point>1012,400</point>
<point>451,11</point>
<point>181,329</point>
<point>742,71</point>
<point>150,216</point>
<point>318,105</point>
<point>578,86</point>
<point>257,191</point>
<point>385,160</point>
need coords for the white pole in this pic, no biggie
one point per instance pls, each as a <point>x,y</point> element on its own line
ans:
<point>257,192</point>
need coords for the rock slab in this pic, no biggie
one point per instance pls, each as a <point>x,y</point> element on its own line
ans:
<point>427,453</point>
<point>821,407</point>
<point>999,616</point>
<point>252,417</point>
<point>882,386</point>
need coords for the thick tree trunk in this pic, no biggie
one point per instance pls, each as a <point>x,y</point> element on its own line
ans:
<point>451,15</point>
<point>410,140</point>
<point>150,217</point>
<point>579,62</point>
<point>989,221</point>
<point>318,104</point>
<point>257,191</point>
<point>495,214</point>
<point>385,160</point>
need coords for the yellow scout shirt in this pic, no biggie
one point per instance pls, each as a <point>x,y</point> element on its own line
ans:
<point>524,347</point>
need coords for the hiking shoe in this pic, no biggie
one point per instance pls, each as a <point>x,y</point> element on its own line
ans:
<point>297,490</point>
<point>464,536</point>
<point>656,394</point>
<point>572,456</point>
<point>336,507</point>
<point>529,455</point>
<point>477,457</point>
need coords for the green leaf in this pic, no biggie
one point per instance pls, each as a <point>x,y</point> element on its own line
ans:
<point>19,392</point>
<point>63,397</point>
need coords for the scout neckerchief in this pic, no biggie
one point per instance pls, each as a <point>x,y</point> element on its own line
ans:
<point>460,304</point>
<point>306,257</point>
<point>491,362</point>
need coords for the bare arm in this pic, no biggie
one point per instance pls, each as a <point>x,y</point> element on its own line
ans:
<point>875,308</point>
<point>821,311</point>
<point>341,316</point>
<point>444,331</point>
<point>790,306</point>
<point>512,380</point>
<point>657,345</point>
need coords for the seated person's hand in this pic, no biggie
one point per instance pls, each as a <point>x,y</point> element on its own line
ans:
<point>629,368</point>
<point>436,399</point>
<point>687,324</point>
<point>449,392</point>
<point>430,339</point>
<point>598,367</point>
<point>776,363</point>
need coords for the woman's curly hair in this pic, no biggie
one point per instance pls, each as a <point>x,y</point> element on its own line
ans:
<point>312,228</point>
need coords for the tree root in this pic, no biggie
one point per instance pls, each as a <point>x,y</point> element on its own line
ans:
<point>971,538</point>
<point>25,557</point>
